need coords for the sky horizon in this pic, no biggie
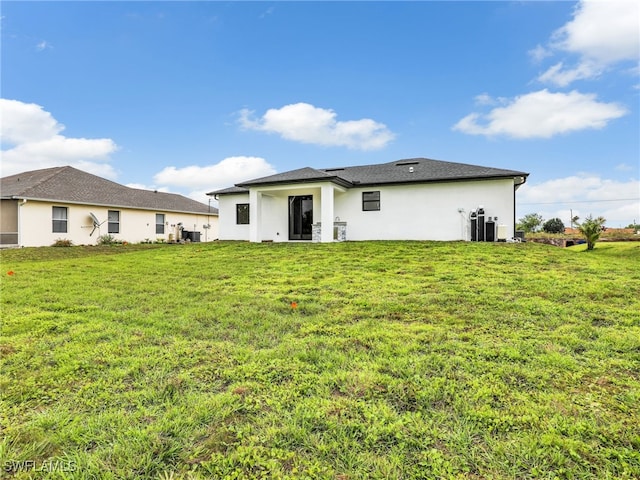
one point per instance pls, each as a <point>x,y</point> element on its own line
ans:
<point>190,97</point>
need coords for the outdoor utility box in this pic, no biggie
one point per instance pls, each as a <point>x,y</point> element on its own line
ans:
<point>502,233</point>
<point>520,235</point>
<point>490,231</point>
<point>481,224</point>
<point>474,226</point>
<point>191,236</point>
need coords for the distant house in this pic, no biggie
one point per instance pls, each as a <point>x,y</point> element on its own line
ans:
<point>412,199</point>
<point>41,206</point>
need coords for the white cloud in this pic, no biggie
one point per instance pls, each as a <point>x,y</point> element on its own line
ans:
<point>484,99</point>
<point>302,122</point>
<point>601,33</point>
<point>31,140</point>
<point>542,114</point>
<point>142,186</point>
<point>623,167</point>
<point>43,45</point>
<point>562,77</point>
<point>582,194</point>
<point>224,174</point>
<point>539,53</point>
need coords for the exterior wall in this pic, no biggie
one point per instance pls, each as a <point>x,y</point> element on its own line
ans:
<point>275,210</point>
<point>274,213</point>
<point>428,211</point>
<point>36,227</point>
<point>227,217</point>
<point>8,222</point>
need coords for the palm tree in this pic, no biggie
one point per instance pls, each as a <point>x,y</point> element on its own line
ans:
<point>591,229</point>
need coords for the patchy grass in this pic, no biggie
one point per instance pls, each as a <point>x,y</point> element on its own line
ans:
<point>347,361</point>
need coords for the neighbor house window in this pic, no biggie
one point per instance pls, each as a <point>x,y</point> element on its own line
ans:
<point>160,223</point>
<point>114,221</point>
<point>60,215</point>
<point>370,201</point>
<point>242,214</point>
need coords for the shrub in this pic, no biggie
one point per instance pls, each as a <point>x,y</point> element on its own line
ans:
<point>591,229</point>
<point>553,225</point>
<point>62,242</point>
<point>106,240</point>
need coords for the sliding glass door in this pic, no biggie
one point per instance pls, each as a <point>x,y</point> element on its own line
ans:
<point>300,217</point>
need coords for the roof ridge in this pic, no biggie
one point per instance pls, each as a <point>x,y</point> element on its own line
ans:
<point>55,171</point>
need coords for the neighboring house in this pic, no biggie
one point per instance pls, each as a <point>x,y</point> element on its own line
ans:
<point>41,206</point>
<point>413,199</point>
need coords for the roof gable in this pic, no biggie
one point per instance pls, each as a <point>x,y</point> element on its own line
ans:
<point>306,174</point>
<point>68,184</point>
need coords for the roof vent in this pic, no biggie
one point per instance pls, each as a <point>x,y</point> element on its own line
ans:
<point>410,169</point>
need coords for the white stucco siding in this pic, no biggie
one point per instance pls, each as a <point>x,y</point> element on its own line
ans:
<point>36,224</point>
<point>229,230</point>
<point>275,209</point>
<point>274,212</point>
<point>425,211</point>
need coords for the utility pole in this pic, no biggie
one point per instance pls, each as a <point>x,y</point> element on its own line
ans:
<point>571,210</point>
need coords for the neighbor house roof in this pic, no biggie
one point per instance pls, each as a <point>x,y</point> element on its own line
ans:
<point>413,170</point>
<point>70,185</point>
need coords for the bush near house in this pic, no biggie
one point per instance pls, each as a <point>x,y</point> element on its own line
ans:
<point>62,242</point>
<point>351,360</point>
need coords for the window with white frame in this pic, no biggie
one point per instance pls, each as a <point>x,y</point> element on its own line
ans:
<point>60,217</point>
<point>113,217</point>
<point>160,223</point>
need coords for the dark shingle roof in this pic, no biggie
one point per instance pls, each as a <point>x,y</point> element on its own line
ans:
<point>70,185</point>
<point>227,191</point>
<point>413,170</point>
<point>419,170</point>
<point>300,175</point>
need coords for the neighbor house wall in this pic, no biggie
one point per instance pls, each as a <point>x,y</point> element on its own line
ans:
<point>8,222</point>
<point>135,225</point>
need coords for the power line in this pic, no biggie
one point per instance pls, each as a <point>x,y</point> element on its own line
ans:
<point>582,201</point>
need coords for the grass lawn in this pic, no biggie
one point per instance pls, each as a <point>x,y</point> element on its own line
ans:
<point>389,360</point>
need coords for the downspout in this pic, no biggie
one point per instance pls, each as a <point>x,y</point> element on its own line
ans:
<point>517,182</point>
<point>20,204</point>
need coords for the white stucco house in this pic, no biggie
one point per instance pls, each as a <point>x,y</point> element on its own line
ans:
<point>411,199</point>
<point>41,206</point>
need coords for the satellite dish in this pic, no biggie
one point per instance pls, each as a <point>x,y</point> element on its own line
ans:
<point>96,223</point>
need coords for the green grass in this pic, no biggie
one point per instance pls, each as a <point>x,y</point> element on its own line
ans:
<point>402,360</point>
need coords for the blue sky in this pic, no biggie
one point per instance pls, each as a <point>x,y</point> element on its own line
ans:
<point>190,97</point>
